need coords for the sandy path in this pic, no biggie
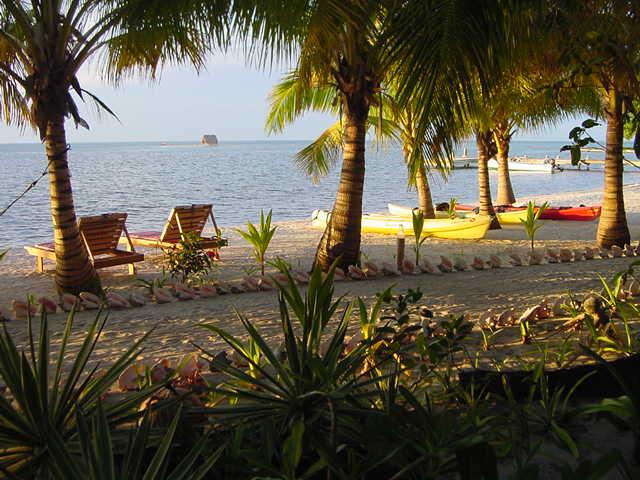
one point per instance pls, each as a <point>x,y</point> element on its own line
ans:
<point>175,326</point>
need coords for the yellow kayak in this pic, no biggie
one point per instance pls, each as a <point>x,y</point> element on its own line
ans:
<point>471,228</point>
<point>505,218</point>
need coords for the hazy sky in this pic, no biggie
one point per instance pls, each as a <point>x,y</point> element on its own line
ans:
<point>229,99</point>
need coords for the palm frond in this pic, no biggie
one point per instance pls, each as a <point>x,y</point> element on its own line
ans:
<point>290,98</point>
<point>317,158</point>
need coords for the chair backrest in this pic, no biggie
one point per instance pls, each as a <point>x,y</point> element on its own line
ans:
<point>185,219</point>
<point>102,232</point>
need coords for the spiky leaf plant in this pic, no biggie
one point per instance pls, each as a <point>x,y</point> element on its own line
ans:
<point>259,237</point>
<point>315,381</point>
<point>44,393</point>
<point>532,224</point>
<point>418,225</point>
<point>144,457</point>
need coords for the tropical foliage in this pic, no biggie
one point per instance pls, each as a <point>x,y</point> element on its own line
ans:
<point>259,237</point>
<point>383,403</point>
<point>43,46</point>
<point>47,396</point>
<point>532,221</point>
<point>597,42</point>
<point>187,261</point>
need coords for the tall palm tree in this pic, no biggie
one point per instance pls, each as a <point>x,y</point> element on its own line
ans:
<point>598,40</point>
<point>523,100</point>
<point>502,133</point>
<point>43,45</point>
<point>357,46</point>
<point>486,149</point>
<point>342,48</point>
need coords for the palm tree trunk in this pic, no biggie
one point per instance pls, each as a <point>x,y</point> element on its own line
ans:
<point>425,202</point>
<point>341,237</point>
<point>502,138</point>
<point>483,139</point>
<point>613,229</point>
<point>74,271</point>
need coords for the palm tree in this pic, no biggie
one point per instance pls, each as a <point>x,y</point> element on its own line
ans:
<point>600,39</point>
<point>524,101</point>
<point>357,46</point>
<point>390,122</point>
<point>43,44</point>
<point>502,133</point>
<point>486,150</point>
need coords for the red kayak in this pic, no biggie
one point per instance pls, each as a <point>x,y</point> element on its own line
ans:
<point>576,214</point>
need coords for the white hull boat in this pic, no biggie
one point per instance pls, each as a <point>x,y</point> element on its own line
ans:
<point>524,166</point>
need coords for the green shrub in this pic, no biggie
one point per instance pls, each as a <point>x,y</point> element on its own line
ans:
<point>188,261</point>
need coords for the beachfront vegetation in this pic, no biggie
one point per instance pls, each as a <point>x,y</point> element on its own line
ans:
<point>598,42</point>
<point>187,261</point>
<point>486,148</point>
<point>47,395</point>
<point>390,121</point>
<point>358,64</point>
<point>393,400</point>
<point>259,238</point>
<point>366,59</point>
<point>532,222</point>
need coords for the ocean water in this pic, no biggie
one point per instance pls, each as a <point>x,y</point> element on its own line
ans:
<point>239,178</point>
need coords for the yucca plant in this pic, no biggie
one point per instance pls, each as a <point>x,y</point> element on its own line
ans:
<point>39,410</point>
<point>314,381</point>
<point>418,226</point>
<point>532,224</point>
<point>145,456</point>
<point>259,237</point>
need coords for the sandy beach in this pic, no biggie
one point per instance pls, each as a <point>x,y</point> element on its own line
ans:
<point>175,326</point>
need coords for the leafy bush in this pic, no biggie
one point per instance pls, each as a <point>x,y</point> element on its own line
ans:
<point>188,261</point>
<point>324,404</point>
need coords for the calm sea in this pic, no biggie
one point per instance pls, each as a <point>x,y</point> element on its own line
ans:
<point>239,178</point>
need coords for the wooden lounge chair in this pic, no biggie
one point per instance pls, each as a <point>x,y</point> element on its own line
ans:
<point>182,220</point>
<point>101,234</point>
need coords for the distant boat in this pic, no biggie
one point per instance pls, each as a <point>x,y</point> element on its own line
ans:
<point>209,140</point>
<point>524,166</point>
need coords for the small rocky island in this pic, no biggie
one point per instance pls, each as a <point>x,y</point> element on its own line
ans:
<point>209,140</point>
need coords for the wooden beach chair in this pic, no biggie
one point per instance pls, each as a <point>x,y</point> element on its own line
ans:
<point>182,220</point>
<point>101,234</point>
